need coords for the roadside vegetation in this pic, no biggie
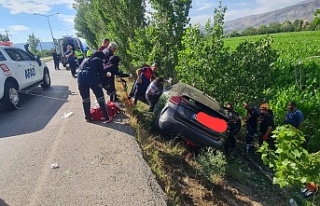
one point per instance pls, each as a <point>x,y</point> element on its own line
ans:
<point>276,69</point>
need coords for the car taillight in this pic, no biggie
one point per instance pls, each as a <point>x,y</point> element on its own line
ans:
<point>175,99</point>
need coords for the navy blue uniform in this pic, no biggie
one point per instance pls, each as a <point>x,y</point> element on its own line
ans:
<point>56,60</point>
<point>108,54</point>
<point>71,61</point>
<point>88,77</point>
<point>109,84</point>
<point>252,123</point>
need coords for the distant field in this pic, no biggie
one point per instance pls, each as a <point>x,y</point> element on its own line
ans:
<point>297,45</point>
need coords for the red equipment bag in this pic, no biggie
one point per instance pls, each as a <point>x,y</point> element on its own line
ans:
<point>97,114</point>
<point>112,109</point>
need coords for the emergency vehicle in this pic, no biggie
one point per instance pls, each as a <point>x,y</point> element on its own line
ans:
<point>20,70</point>
<point>62,44</point>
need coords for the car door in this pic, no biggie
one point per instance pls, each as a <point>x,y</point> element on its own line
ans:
<point>35,71</point>
<point>21,67</point>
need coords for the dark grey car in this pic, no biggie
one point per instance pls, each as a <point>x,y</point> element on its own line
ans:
<point>176,111</point>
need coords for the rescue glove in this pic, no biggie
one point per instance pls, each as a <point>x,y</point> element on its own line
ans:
<point>265,137</point>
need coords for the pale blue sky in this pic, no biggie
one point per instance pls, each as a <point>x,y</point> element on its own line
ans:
<point>18,19</point>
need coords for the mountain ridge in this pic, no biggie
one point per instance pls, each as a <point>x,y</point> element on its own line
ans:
<point>303,10</point>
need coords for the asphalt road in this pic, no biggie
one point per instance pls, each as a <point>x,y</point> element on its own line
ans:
<point>99,164</point>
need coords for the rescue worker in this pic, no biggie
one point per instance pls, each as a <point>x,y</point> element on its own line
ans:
<point>105,44</point>
<point>109,51</point>
<point>294,116</point>
<point>252,123</point>
<point>79,55</point>
<point>266,125</point>
<point>69,54</point>
<point>110,71</point>
<point>88,78</point>
<point>153,92</point>
<point>89,52</point>
<point>145,75</point>
<point>233,123</point>
<point>56,59</point>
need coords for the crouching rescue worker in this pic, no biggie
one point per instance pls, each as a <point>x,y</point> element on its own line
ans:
<point>145,75</point>
<point>266,125</point>
<point>110,71</point>
<point>88,77</point>
<point>154,92</point>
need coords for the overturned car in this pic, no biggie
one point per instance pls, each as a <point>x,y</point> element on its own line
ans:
<point>190,113</point>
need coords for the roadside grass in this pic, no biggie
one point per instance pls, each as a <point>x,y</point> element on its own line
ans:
<point>46,59</point>
<point>246,181</point>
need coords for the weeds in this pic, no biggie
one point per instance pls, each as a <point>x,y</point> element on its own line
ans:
<point>213,164</point>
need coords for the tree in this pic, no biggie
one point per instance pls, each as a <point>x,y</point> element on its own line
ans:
<point>169,19</point>
<point>297,24</point>
<point>249,31</point>
<point>116,20</point>
<point>83,22</point>
<point>33,42</point>
<point>316,20</point>
<point>263,29</point>
<point>274,27</point>
<point>287,27</point>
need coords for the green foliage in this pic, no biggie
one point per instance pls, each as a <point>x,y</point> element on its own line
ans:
<point>290,46</point>
<point>33,42</point>
<point>316,20</point>
<point>292,164</point>
<point>170,17</point>
<point>84,22</point>
<point>232,75</point>
<point>213,163</point>
<point>43,53</point>
<point>275,27</point>
<point>142,46</point>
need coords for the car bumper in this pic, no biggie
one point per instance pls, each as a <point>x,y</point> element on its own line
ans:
<point>168,123</point>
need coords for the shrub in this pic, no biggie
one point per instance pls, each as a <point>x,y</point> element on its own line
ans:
<point>213,163</point>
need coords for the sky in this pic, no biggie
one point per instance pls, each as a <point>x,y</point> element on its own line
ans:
<point>19,20</point>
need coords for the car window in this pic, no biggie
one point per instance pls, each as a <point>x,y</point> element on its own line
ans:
<point>25,56</point>
<point>14,55</point>
<point>2,58</point>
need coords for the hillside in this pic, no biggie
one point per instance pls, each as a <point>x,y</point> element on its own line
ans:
<point>303,10</point>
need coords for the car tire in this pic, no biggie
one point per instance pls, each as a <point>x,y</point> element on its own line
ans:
<point>46,79</point>
<point>11,96</point>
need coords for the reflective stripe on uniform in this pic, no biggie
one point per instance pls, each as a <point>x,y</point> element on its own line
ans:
<point>87,100</point>
<point>100,99</point>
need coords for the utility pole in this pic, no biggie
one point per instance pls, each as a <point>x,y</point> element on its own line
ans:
<point>47,16</point>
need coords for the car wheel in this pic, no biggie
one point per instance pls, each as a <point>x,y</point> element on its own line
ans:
<point>46,79</point>
<point>11,96</point>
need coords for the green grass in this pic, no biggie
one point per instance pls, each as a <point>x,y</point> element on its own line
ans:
<point>294,45</point>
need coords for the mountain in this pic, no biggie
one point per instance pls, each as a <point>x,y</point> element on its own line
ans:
<point>303,10</point>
